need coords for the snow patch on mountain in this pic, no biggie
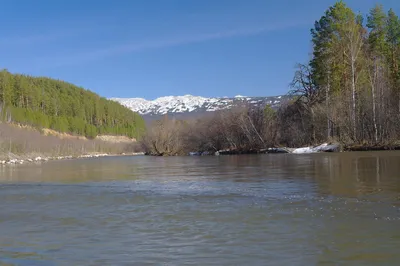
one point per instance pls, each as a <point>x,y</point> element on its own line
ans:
<point>190,103</point>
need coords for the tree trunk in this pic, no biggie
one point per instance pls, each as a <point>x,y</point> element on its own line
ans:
<point>353,94</point>
<point>399,103</point>
<point>374,114</point>
<point>327,90</point>
<point>373,85</point>
<point>256,131</point>
<point>313,124</point>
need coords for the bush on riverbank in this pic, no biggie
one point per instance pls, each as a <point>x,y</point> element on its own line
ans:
<point>241,129</point>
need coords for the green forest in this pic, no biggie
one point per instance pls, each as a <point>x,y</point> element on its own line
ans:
<point>47,103</point>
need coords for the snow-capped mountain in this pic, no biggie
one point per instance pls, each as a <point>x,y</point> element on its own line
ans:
<point>193,104</point>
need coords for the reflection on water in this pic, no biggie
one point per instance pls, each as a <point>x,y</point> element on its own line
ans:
<point>229,210</point>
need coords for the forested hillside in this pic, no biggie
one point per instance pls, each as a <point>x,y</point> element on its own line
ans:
<point>47,103</point>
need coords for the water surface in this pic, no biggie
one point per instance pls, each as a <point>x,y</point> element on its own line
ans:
<point>321,209</point>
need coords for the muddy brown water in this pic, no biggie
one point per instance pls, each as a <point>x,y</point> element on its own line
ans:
<point>280,209</point>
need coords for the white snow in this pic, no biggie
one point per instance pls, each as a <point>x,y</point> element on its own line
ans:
<point>165,104</point>
<point>179,104</point>
<point>310,149</point>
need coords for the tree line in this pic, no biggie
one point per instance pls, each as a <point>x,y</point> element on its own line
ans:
<point>352,81</point>
<point>47,103</point>
<point>348,92</point>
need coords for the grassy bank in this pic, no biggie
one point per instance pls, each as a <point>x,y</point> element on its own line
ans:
<point>28,144</point>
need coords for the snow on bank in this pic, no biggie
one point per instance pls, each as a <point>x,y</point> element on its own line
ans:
<point>33,160</point>
<point>325,147</point>
<point>39,159</point>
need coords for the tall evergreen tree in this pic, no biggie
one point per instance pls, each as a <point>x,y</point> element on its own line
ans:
<point>393,42</point>
<point>377,23</point>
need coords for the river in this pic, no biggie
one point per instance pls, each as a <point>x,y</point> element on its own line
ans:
<point>280,209</point>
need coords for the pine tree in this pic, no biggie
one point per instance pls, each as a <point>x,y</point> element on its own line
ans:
<point>393,42</point>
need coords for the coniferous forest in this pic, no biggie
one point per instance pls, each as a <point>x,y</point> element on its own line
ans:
<point>47,103</point>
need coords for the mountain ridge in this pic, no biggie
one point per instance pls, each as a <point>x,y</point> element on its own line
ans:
<point>190,104</point>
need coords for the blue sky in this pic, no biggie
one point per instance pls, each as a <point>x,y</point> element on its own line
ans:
<point>153,48</point>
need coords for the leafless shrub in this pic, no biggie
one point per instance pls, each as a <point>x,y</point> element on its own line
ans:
<point>164,137</point>
<point>240,129</point>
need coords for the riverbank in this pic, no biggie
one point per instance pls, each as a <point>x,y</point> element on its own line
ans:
<point>25,144</point>
<point>388,147</point>
<point>325,147</point>
<point>14,159</point>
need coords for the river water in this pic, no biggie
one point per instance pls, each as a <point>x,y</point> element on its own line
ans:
<point>321,209</point>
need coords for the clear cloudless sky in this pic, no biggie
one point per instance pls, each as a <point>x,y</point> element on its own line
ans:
<point>153,48</point>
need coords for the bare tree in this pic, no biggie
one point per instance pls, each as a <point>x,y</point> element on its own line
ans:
<point>308,94</point>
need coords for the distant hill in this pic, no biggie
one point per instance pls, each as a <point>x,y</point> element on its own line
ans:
<point>47,103</point>
<point>191,106</point>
